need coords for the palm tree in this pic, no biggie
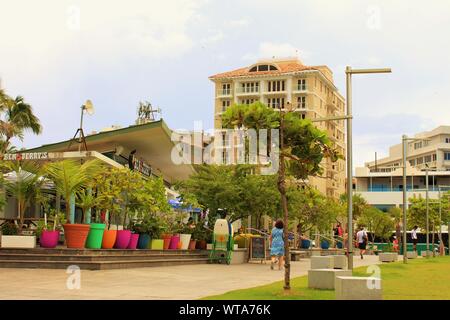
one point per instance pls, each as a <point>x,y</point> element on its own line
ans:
<point>85,200</point>
<point>23,183</point>
<point>18,117</point>
<point>70,177</point>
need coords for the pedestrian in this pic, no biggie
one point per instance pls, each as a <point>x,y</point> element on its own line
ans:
<point>414,237</point>
<point>277,245</point>
<point>395,243</point>
<point>338,232</point>
<point>361,238</point>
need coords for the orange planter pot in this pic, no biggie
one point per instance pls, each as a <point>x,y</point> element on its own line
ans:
<point>166,238</point>
<point>109,238</point>
<point>76,235</point>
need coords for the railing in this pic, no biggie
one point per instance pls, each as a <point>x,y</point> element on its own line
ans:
<point>224,92</point>
<point>247,90</point>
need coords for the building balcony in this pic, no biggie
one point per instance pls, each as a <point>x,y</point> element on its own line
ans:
<point>225,93</point>
<point>248,91</point>
<point>270,93</point>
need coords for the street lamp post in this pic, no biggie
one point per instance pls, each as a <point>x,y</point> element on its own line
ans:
<point>428,209</point>
<point>349,72</point>
<point>405,246</point>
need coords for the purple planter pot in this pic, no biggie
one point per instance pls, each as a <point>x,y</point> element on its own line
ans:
<point>49,239</point>
<point>122,239</point>
<point>133,241</point>
<point>174,242</point>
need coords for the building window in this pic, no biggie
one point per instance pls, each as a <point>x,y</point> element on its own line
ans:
<point>247,101</point>
<point>276,103</point>
<point>301,102</point>
<point>447,140</point>
<point>226,88</point>
<point>249,87</point>
<point>225,105</point>
<point>301,84</point>
<point>427,159</point>
<point>418,145</point>
<point>275,86</point>
<point>434,157</point>
<point>419,160</point>
<point>447,156</point>
<point>263,67</point>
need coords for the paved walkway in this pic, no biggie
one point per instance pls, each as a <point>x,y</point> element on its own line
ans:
<point>177,282</point>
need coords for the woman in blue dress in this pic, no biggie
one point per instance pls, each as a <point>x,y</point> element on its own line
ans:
<point>277,245</point>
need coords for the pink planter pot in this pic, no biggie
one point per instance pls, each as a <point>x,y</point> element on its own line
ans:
<point>122,239</point>
<point>49,239</point>
<point>133,241</point>
<point>174,242</point>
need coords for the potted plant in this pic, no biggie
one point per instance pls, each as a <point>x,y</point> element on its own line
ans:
<point>23,183</point>
<point>200,234</point>
<point>48,232</point>
<point>186,235</point>
<point>86,201</point>
<point>70,177</point>
<point>324,243</point>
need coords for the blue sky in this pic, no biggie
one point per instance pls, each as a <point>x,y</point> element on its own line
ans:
<point>59,53</point>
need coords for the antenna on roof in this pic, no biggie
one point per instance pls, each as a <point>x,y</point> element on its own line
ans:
<point>146,113</point>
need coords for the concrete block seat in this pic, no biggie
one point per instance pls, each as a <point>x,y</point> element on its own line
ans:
<point>388,256</point>
<point>358,288</point>
<point>411,254</point>
<point>339,261</point>
<point>322,262</point>
<point>325,278</point>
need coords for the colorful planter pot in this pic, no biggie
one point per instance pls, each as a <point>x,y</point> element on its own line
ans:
<point>122,239</point>
<point>76,235</point>
<point>95,236</point>
<point>49,239</point>
<point>192,244</point>
<point>109,239</point>
<point>306,244</point>
<point>201,245</point>
<point>166,238</point>
<point>144,241</point>
<point>174,242</point>
<point>133,241</point>
<point>324,244</point>
<point>185,239</point>
<point>157,244</point>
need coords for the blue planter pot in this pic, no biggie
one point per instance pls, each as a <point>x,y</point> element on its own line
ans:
<point>339,245</point>
<point>306,244</point>
<point>143,242</point>
<point>324,245</point>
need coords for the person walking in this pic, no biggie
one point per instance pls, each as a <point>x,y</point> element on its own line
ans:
<point>414,237</point>
<point>361,238</point>
<point>338,232</point>
<point>277,245</point>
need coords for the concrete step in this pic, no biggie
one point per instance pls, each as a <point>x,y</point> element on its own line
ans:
<point>96,258</point>
<point>97,252</point>
<point>100,265</point>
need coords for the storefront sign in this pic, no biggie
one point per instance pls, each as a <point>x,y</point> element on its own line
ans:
<point>139,165</point>
<point>25,156</point>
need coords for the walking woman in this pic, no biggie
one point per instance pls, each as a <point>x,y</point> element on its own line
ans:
<point>277,245</point>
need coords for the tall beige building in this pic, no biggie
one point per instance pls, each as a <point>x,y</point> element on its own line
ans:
<point>311,91</point>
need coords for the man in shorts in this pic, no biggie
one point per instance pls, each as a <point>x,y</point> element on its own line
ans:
<point>414,237</point>
<point>361,238</point>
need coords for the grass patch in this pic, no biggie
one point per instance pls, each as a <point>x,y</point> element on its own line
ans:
<point>419,279</point>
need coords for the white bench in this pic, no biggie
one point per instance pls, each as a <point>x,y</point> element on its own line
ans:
<point>339,261</point>
<point>322,262</point>
<point>325,278</point>
<point>358,288</point>
<point>411,254</point>
<point>388,256</point>
<point>424,253</point>
<point>27,242</point>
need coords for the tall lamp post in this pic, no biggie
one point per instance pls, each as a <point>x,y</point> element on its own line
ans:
<point>349,72</point>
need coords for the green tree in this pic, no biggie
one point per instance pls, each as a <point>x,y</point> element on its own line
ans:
<point>23,183</point>
<point>16,116</point>
<point>301,151</point>
<point>70,177</point>
<point>379,223</point>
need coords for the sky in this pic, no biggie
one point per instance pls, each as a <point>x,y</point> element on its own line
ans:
<point>58,53</point>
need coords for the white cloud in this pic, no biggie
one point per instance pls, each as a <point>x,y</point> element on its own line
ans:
<point>276,50</point>
<point>243,22</point>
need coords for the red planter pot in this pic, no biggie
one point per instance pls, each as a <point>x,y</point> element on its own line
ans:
<point>49,239</point>
<point>201,244</point>
<point>109,239</point>
<point>76,235</point>
<point>122,239</point>
<point>192,244</point>
<point>174,242</point>
<point>166,238</point>
<point>133,241</point>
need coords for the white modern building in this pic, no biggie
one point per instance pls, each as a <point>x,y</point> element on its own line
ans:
<point>381,182</point>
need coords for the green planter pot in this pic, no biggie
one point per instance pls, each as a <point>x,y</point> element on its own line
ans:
<point>157,244</point>
<point>95,237</point>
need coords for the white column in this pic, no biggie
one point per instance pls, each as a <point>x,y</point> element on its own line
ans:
<point>289,90</point>
<point>235,88</point>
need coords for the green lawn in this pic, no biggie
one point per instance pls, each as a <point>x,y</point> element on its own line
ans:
<point>419,279</point>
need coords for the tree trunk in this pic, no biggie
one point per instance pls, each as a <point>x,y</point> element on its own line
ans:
<point>68,209</point>
<point>432,241</point>
<point>21,216</point>
<point>282,190</point>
